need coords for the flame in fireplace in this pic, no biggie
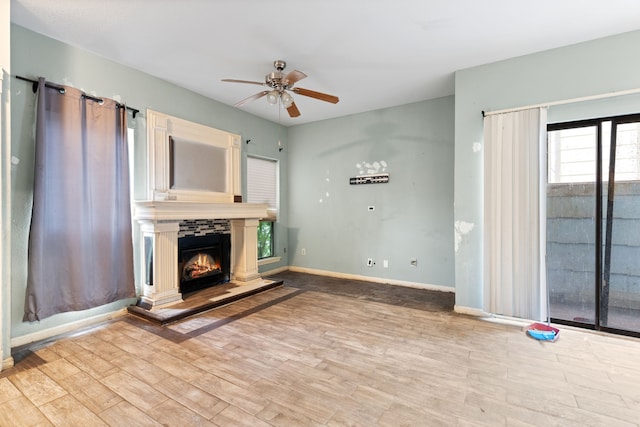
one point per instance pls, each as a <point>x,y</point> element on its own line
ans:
<point>200,265</point>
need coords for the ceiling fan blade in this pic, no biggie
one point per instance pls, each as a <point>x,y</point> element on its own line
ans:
<point>292,77</point>
<point>251,98</point>
<point>243,81</point>
<point>317,95</point>
<point>293,110</point>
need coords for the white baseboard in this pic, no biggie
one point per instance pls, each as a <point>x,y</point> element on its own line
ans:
<point>7,363</point>
<point>490,317</point>
<point>267,261</point>
<point>394,282</point>
<point>67,327</point>
<point>470,311</point>
<point>274,271</point>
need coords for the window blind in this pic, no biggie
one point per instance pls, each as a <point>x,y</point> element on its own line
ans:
<point>262,181</point>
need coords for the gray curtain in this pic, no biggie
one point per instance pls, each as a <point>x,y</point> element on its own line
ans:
<point>80,249</point>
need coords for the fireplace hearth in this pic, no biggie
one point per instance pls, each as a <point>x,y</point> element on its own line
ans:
<point>203,261</point>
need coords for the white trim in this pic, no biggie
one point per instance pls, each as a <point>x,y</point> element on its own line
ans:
<point>393,282</point>
<point>508,320</point>
<point>67,327</point>
<point>6,364</point>
<point>5,195</point>
<point>274,271</point>
<point>470,311</point>
<point>164,210</point>
<point>270,260</point>
<point>494,318</point>
<point>565,101</point>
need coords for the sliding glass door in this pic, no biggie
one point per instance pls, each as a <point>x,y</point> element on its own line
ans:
<point>571,221</point>
<point>620,284</point>
<point>593,223</point>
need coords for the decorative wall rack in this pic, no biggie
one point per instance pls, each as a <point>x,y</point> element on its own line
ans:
<point>381,178</point>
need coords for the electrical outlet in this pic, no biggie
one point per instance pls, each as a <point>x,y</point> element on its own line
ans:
<point>369,262</point>
<point>385,263</point>
<point>414,262</point>
<point>303,251</point>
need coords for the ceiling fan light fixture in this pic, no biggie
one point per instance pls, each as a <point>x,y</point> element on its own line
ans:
<point>272,97</point>
<point>286,99</point>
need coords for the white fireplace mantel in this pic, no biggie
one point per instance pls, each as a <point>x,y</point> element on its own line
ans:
<point>160,210</point>
<point>160,223</point>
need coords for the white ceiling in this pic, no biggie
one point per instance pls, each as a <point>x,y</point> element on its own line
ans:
<point>372,54</point>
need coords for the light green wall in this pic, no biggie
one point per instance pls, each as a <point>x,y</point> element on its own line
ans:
<point>34,55</point>
<point>590,68</point>
<point>413,216</point>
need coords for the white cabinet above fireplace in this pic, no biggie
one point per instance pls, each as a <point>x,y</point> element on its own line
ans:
<point>190,162</point>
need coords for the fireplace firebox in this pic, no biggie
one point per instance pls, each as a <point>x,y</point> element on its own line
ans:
<point>203,261</point>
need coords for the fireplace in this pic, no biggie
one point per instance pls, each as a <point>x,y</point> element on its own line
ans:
<point>169,204</point>
<point>164,223</point>
<point>203,261</point>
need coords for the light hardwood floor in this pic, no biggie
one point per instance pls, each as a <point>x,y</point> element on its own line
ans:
<point>314,357</point>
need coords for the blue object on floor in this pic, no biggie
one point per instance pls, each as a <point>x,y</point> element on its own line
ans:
<point>542,332</point>
<point>542,335</point>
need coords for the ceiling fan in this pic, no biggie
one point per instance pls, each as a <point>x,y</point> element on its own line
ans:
<point>279,84</point>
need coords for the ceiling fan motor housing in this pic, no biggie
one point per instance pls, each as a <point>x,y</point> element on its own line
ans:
<point>274,79</point>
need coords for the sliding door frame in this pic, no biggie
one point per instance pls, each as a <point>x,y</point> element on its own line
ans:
<point>598,259</point>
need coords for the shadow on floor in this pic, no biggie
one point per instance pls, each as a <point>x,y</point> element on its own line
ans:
<point>419,299</point>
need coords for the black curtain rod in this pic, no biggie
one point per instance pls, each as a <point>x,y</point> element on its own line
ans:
<point>34,87</point>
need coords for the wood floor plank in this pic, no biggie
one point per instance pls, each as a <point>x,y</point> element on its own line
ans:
<point>191,397</point>
<point>170,413</point>
<point>37,386</point>
<point>126,414</point>
<point>59,369</point>
<point>140,368</point>
<point>175,366</point>
<point>90,392</point>
<point>277,415</point>
<point>133,390</point>
<point>93,364</point>
<point>68,412</point>
<point>234,416</point>
<point>8,391</point>
<point>21,412</point>
<point>244,398</point>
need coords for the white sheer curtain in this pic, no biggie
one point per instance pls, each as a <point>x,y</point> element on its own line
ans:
<point>515,214</point>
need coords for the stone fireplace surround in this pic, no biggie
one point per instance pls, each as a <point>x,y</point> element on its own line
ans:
<point>160,221</point>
